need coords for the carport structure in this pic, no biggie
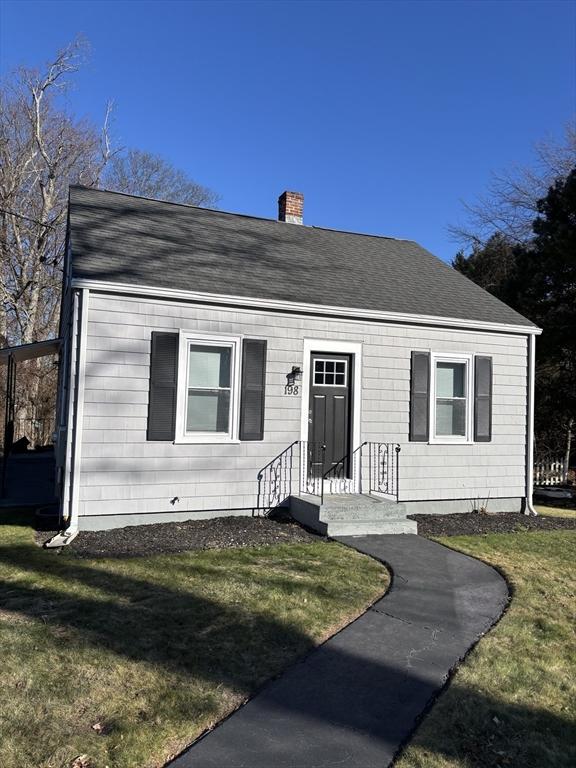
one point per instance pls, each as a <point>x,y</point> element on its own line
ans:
<point>10,357</point>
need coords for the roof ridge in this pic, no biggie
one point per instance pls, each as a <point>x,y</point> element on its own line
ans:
<point>241,215</point>
<point>365,234</point>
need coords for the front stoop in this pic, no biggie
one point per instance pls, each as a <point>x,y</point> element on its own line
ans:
<point>351,515</point>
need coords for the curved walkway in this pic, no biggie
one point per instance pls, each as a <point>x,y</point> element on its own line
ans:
<point>356,699</point>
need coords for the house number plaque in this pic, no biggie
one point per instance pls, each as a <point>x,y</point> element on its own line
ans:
<point>291,389</point>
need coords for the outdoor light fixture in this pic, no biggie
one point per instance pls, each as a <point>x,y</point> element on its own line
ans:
<point>294,376</point>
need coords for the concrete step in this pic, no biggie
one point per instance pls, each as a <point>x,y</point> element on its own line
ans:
<point>365,527</point>
<point>338,500</point>
<point>359,515</point>
<point>351,515</point>
<point>372,505</point>
<point>306,510</point>
<point>382,510</point>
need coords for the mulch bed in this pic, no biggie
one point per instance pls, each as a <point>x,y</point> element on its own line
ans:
<point>470,523</point>
<point>225,532</point>
<point>166,538</point>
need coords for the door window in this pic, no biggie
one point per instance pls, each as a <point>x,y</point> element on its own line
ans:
<point>331,373</point>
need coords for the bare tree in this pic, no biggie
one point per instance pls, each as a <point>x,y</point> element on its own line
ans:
<point>42,151</point>
<point>142,173</point>
<point>510,204</point>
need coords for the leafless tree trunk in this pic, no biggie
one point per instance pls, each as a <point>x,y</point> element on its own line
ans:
<point>42,151</point>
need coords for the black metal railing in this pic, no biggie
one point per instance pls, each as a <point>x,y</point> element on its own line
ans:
<point>383,468</point>
<point>275,480</point>
<point>312,468</point>
<point>348,475</point>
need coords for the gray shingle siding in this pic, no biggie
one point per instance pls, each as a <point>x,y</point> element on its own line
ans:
<point>125,239</point>
<point>123,474</point>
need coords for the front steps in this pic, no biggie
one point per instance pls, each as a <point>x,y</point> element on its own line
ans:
<point>351,515</point>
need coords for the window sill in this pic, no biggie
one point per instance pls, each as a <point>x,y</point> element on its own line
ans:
<point>439,441</point>
<point>205,441</point>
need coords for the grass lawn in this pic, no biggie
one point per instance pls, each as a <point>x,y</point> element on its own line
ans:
<point>128,661</point>
<point>513,702</point>
<point>554,511</point>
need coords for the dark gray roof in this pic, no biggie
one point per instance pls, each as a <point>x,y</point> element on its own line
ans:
<point>125,239</point>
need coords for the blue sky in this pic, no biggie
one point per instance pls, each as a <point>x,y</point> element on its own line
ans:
<point>384,114</point>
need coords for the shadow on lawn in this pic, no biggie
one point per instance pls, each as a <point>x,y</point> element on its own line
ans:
<point>144,621</point>
<point>188,634</point>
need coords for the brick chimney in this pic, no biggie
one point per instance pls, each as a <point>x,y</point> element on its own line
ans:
<point>291,207</point>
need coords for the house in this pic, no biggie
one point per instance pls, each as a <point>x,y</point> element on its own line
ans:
<point>221,364</point>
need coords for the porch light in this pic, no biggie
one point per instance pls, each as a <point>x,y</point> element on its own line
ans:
<point>294,376</point>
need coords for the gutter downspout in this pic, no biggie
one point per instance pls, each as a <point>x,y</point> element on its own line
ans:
<point>529,510</point>
<point>76,402</point>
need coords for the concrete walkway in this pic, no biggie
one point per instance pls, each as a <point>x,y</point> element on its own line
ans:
<point>356,699</point>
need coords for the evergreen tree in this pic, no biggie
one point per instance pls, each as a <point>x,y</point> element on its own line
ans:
<point>538,279</point>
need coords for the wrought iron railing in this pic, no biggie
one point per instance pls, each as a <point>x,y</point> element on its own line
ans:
<point>312,468</point>
<point>275,480</point>
<point>348,475</point>
<point>384,468</point>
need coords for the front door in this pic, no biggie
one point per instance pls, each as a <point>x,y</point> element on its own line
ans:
<point>329,412</point>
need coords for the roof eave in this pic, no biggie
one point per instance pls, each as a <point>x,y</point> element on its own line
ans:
<point>277,305</point>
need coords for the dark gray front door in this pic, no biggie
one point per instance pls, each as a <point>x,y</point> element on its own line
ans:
<point>329,410</point>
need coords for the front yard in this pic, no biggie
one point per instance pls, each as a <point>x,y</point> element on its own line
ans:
<point>513,702</point>
<point>128,660</point>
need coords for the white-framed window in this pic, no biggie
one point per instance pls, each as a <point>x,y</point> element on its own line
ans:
<point>208,388</point>
<point>451,399</point>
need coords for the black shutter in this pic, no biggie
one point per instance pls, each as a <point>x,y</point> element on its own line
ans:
<point>419,397</point>
<point>253,388</point>
<point>482,399</point>
<point>163,386</point>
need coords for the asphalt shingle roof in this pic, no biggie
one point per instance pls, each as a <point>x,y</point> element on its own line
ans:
<point>125,239</point>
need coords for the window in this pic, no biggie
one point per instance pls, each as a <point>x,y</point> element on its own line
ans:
<point>332,373</point>
<point>450,406</point>
<point>208,389</point>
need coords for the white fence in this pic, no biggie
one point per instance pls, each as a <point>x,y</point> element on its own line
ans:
<point>550,472</point>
